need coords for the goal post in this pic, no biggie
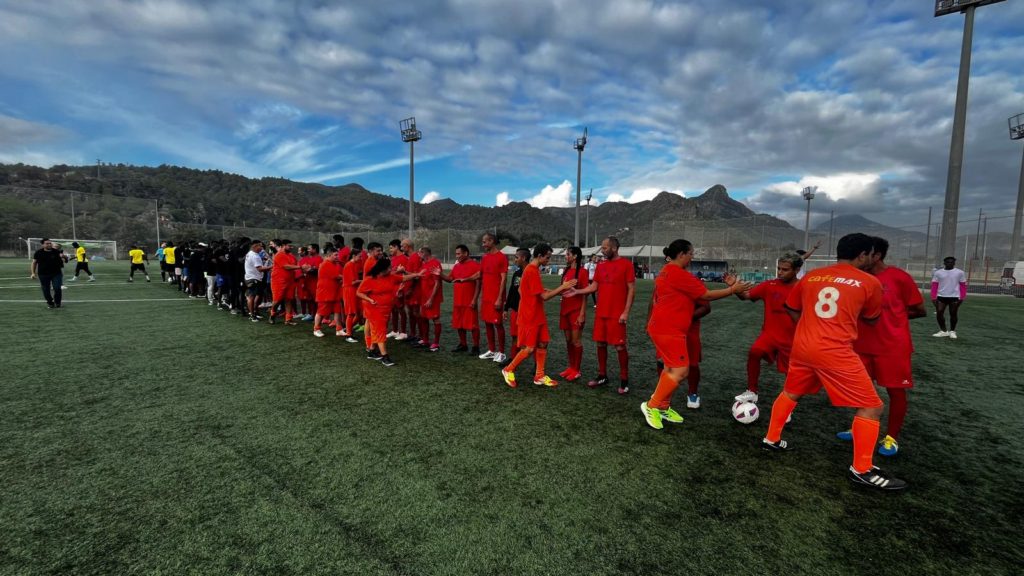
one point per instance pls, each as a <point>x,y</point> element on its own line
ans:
<point>97,250</point>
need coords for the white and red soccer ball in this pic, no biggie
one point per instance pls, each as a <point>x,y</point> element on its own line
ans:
<point>745,412</point>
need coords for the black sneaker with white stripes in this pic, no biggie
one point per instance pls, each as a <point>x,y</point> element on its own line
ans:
<point>876,478</point>
<point>780,446</point>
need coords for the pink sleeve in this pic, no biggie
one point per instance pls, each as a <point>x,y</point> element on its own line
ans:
<point>963,290</point>
<point>935,290</point>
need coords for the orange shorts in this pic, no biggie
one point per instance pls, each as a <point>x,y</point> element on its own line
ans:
<point>568,320</point>
<point>532,336</point>
<point>672,349</point>
<point>846,382</point>
<point>377,328</point>
<point>325,309</point>
<point>513,323</point>
<point>464,318</point>
<point>350,301</point>
<point>776,351</point>
<point>889,370</point>
<point>282,291</point>
<point>609,330</point>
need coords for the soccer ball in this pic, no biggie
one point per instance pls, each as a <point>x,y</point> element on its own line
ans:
<point>745,412</point>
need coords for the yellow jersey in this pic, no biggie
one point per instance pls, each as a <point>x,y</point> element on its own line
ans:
<point>80,254</point>
<point>136,256</point>
<point>169,255</point>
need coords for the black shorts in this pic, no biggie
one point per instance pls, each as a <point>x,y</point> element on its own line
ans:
<point>253,287</point>
<point>141,267</point>
<point>948,299</point>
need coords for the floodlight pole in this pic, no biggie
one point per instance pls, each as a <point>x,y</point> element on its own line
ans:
<point>74,234</point>
<point>1017,133</point>
<point>808,193</point>
<point>579,145</point>
<point>586,234</point>
<point>410,134</point>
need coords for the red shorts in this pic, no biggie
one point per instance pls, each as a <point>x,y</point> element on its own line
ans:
<point>488,313</point>
<point>532,336</point>
<point>282,290</point>
<point>433,312</point>
<point>351,301</point>
<point>309,289</point>
<point>846,382</point>
<point>377,328</point>
<point>776,351</point>
<point>889,370</point>
<point>568,320</point>
<point>325,309</point>
<point>609,330</point>
<point>464,318</point>
<point>513,323</point>
<point>672,349</point>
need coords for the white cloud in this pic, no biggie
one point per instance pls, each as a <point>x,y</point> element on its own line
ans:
<point>640,195</point>
<point>430,197</point>
<point>502,199</point>
<point>851,186</point>
<point>553,197</point>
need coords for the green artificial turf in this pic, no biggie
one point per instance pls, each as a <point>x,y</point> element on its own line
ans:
<point>161,436</point>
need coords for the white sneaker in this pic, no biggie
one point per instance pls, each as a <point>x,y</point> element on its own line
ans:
<point>499,357</point>
<point>941,334</point>
<point>747,396</point>
<point>693,401</point>
<point>92,278</point>
<point>952,334</point>
<point>340,333</point>
<point>318,333</point>
<point>487,355</point>
<point>73,279</point>
<point>401,336</point>
<point>391,334</point>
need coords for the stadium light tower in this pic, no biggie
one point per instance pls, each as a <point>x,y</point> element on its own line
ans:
<point>586,233</point>
<point>947,238</point>
<point>808,193</point>
<point>1017,133</point>
<point>579,145</point>
<point>410,134</point>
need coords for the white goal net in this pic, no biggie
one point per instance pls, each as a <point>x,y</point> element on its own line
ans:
<point>97,250</point>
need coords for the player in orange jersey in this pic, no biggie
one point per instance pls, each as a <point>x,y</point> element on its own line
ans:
<point>572,313</point>
<point>378,290</point>
<point>374,252</point>
<point>411,292</point>
<point>349,286</point>
<point>493,273</point>
<point>328,293</point>
<point>614,281</point>
<point>430,298</point>
<point>533,322</point>
<point>399,263</point>
<point>310,263</point>
<point>828,304</point>
<point>676,293</point>
<point>776,339</point>
<point>886,347</point>
<point>282,281</point>
<point>465,281</point>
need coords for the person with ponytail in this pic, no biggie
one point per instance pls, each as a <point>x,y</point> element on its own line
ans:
<point>676,293</point>
<point>572,314</point>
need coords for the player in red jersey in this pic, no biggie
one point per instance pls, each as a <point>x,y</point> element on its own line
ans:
<point>430,297</point>
<point>374,252</point>
<point>672,310</point>
<point>411,291</point>
<point>465,281</point>
<point>533,322</point>
<point>328,293</point>
<point>307,289</point>
<point>493,273</point>
<point>572,312</point>
<point>282,281</point>
<point>829,303</point>
<point>399,262</point>
<point>614,281</point>
<point>776,339</point>
<point>378,290</point>
<point>886,346</point>
<point>349,286</point>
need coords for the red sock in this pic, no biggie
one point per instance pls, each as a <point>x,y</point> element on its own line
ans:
<point>577,357</point>
<point>602,360</point>
<point>623,364</point>
<point>693,379</point>
<point>490,336</point>
<point>865,436</point>
<point>437,333</point>
<point>500,329</point>
<point>781,410</point>
<point>462,337</point>
<point>570,352</point>
<point>753,370</point>
<point>402,326</point>
<point>897,410</point>
<point>424,333</point>
<point>476,337</point>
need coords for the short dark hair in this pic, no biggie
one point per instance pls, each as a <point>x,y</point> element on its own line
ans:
<point>463,247</point>
<point>542,249</point>
<point>853,245</point>
<point>357,243</point>
<point>396,243</point>
<point>677,247</point>
<point>613,240</point>
<point>383,265</point>
<point>523,251</point>
<point>339,240</point>
<point>427,250</point>
<point>373,246</point>
<point>491,236</point>
<point>880,246</point>
<point>315,246</point>
<point>44,240</point>
<point>75,244</point>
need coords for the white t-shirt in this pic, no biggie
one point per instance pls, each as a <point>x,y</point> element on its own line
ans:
<point>253,261</point>
<point>949,281</point>
<point>590,266</point>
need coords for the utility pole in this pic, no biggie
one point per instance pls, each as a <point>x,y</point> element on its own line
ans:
<point>579,145</point>
<point>586,234</point>
<point>831,230</point>
<point>977,235</point>
<point>74,234</point>
<point>156,209</point>
<point>808,193</point>
<point>1016,124</point>
<point>410,134</point>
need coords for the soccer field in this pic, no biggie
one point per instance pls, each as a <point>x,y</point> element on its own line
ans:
<point>143,432</point>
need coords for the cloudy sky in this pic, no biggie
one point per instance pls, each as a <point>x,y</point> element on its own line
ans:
<point>767,97</point>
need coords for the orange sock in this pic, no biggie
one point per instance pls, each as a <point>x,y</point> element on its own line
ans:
<point>865,435</point>
<point>522,355</point>
<point>781,410</point>
<point>662,397</point>
<point>540,356</point>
